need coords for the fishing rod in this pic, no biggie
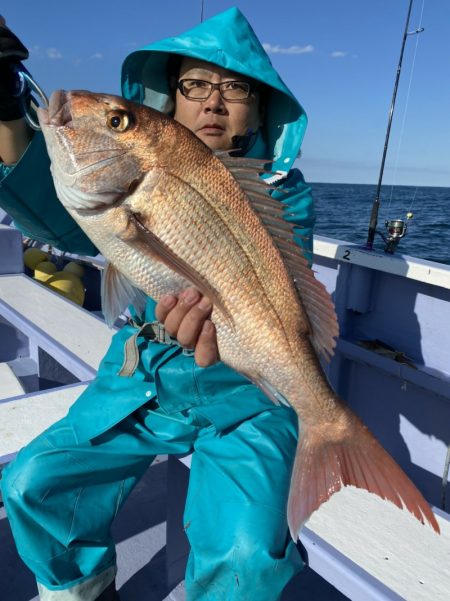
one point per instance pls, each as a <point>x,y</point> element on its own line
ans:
<point>396,227</point>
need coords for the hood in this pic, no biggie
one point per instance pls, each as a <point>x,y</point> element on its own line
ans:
<point>228,41</point>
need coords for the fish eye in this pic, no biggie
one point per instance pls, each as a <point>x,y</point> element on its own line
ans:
<point>119,121</point>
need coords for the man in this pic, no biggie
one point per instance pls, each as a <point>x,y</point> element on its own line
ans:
<point>65,488</point>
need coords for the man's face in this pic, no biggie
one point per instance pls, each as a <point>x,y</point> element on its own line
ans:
<point>215,120</point>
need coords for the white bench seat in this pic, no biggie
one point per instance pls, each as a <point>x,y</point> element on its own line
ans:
<point>24,417</point>
<point>9,384</point>
<point>409,559</point>
<point>75,337</point>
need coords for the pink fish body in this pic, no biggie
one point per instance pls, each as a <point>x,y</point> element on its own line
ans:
<point>167,213</point>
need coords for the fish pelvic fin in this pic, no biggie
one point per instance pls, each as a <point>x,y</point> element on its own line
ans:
<point>117,292</point>
<point>323,465</point>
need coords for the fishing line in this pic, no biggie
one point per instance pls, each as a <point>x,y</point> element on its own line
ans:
<point>413,199</point>
<point>402,128</point>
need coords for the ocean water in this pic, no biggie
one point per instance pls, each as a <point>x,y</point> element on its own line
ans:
<point>343,212</point>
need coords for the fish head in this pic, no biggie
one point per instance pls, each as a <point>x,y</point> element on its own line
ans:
<point>100,146</point>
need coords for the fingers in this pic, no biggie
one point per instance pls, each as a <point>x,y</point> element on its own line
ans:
<point>186,318</point>
<point>164,306</point>
<point>206,350</point>
<point>172,311</point>
<point>192,323</point>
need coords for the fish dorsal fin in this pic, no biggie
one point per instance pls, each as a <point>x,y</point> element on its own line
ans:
<point>117,293</point>
<point>315,299</point>
<point>245,167</point>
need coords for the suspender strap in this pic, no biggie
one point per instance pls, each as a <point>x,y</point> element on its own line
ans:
<point>154,331</point>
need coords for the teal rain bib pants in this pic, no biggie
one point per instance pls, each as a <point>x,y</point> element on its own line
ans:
<point>64,489</point>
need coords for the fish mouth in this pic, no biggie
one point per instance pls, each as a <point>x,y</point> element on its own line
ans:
<point>58,113</point>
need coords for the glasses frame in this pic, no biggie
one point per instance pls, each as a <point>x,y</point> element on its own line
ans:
<point>215,86</point>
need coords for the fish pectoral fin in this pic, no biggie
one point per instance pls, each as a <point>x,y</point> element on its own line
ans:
<point>117,293</point>
<point>146,240</point>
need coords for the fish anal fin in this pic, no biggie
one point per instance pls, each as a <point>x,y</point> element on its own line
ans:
<point>117,292</point>
<point>145,238</point>
<point>322,467</point>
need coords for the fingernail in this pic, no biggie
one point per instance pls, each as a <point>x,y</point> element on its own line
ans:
<point>204,304</point>
<point>208,327</point>
<point>189,296</point>
<point>168,300</point>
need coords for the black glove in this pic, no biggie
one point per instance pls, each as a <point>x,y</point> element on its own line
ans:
<point>12,51</point>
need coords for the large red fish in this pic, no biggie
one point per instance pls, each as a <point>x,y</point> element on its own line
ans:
<point>167,212</point>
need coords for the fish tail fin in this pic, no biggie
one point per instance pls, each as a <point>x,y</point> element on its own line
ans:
<point>353,457</point>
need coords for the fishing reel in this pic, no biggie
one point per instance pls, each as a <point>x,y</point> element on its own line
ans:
<point>396,230</point>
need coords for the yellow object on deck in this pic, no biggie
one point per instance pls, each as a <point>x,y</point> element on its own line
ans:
<point>67,284</point>
<point>34,256</point>
<point>44,270</point>
<point>75,268</point>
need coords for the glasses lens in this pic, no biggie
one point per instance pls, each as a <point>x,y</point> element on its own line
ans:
<point>235,90</point>
<point>196,88</point>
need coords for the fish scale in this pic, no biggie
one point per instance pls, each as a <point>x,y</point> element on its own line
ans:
<point>167,213</point>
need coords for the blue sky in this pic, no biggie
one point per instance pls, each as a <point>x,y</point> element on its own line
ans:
<point>339,57</point>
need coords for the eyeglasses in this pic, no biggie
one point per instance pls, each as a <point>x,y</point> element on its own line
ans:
<point>197,89</point>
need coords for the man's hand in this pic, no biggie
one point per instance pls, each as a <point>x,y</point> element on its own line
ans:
<point>186,318</point>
